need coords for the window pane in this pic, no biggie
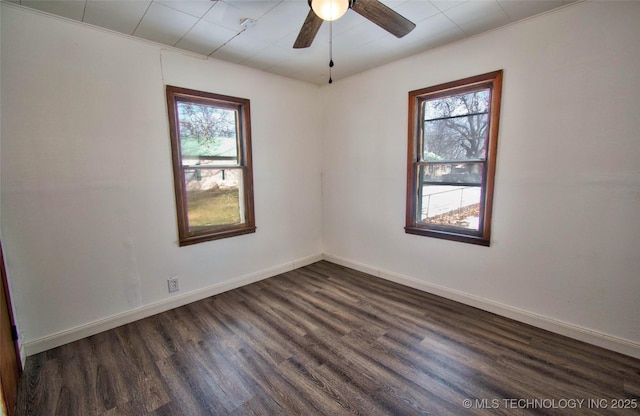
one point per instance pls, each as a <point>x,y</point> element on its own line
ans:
<point>457,105</point>
<point>459,138</point>
<point>462,173</point>
<point>214,197</point>
<point>208,134</point>
<point>451,206</point>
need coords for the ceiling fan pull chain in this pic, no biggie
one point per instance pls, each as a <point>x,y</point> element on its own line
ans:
<point>330,50</point>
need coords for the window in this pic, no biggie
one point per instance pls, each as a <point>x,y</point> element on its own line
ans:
<point>453,137</point>
<point>211,148</point>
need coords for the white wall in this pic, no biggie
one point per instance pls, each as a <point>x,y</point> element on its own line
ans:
<point>87,202</point>
<point>566,230</point>
<point>89,221</point>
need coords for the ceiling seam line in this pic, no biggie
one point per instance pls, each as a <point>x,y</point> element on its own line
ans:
<point>142,18</point>
<point>224,44</point>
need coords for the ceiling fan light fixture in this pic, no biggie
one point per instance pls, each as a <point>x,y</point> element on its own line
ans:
<point>330,10</point>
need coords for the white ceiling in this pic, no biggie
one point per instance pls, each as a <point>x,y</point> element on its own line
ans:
<point>213,28</point>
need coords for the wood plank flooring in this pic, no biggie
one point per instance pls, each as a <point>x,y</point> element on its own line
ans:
<point>328,340</point>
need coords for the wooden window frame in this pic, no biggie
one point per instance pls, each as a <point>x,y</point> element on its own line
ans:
<point>492,81</point>
<point>242,106</point>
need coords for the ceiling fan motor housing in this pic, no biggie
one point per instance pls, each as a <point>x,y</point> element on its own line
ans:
<point>330,10</point>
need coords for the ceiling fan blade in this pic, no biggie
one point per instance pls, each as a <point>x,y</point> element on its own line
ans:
<point>308,31</point>
<point>384,17</point>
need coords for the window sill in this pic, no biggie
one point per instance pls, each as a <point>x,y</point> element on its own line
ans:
<point>200,238</point>
<point>447,235</point>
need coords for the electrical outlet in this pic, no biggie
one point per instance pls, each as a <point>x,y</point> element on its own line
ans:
<point>174,284</point>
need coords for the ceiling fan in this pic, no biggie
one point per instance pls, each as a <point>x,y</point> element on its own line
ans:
<point>329,10</point>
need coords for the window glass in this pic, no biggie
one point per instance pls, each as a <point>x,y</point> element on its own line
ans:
<point>455,127</point>
<point>213,197</point>
<point>462,173</point>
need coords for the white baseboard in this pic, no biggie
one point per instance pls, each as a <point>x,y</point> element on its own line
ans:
<point>82,331</point>
<point>600,339</point>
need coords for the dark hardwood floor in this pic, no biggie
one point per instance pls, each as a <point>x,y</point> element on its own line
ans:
<point>327,340</point>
